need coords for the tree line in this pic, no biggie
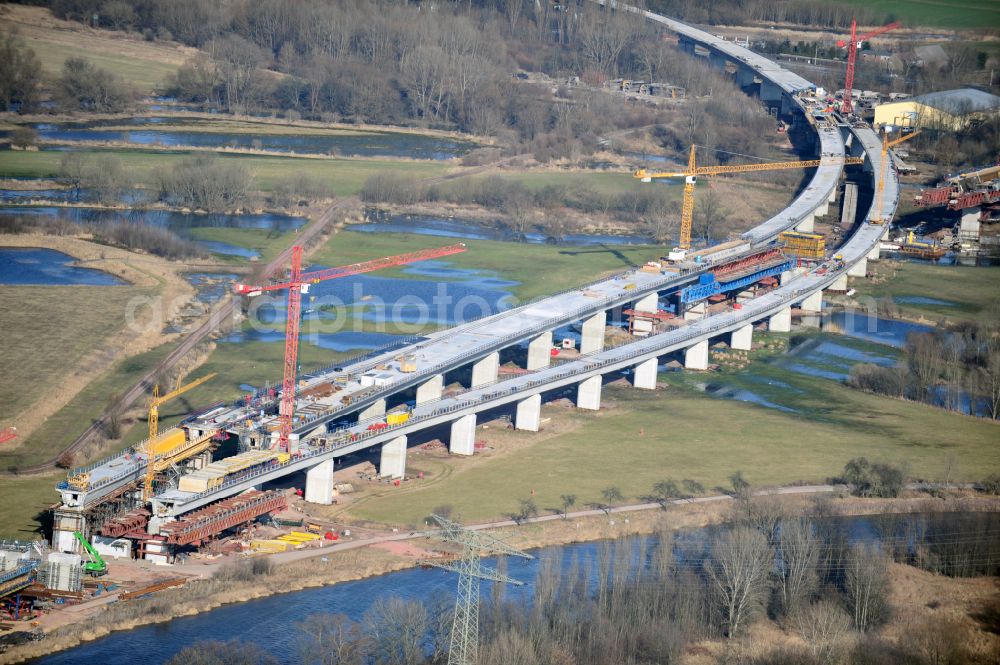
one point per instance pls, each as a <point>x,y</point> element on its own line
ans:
<point>956,369</point>
<point>649,599</point>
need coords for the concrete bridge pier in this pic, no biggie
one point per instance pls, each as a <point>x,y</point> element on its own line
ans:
<point>813,302</point>
<point>588,394</point>
<point>540,351</point>
<point>374,410</point>
<point>695,312</point>
<point>319,483</point>
<point>696,357</point>
<point>859,269</point>
<point>392,463</point>
<point>644,374</point>
<point>840,284</point>
<point>486,370</point>
<point>431,389</point>
<point>592,338</point>
<point>807,224</point>
<point>529,413</point>
<point>824,207</point>
<point>463,435</point>
<point>781,321</point>
<point>648,303</point>
<point>741,339</point>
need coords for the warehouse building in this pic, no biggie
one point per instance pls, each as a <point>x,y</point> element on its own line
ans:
<point>948,109</point>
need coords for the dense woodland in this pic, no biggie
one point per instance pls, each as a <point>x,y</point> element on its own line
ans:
<point>650,600</point>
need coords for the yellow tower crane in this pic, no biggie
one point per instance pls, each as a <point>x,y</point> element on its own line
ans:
<point>154,422</point>
<point>876,217</point>
<point>693,171</point>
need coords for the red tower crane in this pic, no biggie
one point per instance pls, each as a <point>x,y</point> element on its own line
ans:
<point>847,106</point>
<point>297,284</point>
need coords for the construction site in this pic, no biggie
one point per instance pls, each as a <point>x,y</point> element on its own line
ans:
<point>243,479</point>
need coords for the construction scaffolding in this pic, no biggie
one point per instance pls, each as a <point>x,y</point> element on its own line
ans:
<point>202,525</point>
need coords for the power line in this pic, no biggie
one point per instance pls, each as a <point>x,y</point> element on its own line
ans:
<point>464,646</point>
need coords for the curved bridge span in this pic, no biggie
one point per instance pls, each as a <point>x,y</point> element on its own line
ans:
<point>336,426</point>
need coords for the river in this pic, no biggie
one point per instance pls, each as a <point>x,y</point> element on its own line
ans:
<point>270,623</point>
<point>186,132</point>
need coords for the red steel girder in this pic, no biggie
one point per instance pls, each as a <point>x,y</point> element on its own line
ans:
<point>934,197</point>
<point>722,272</point>
<point>119,526</point>
<point>973,199</point>
<point>224,515</point>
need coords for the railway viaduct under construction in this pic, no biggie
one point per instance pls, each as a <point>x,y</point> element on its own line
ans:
<point>343,409</point>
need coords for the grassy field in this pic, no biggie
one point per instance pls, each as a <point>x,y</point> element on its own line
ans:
<point>143,64</point>
<point>960,14</point>
<point>974,293</point>
<point>61,429</point>
<point>23,502</point>
<point>50,329</point>
<point>538,269</point>
<point>687,435</point>
<point>344,176</point>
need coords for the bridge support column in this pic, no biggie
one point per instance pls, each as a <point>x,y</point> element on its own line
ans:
<point>781,322</point>
<point>644,374</point>
<point>741,339</point>
<point>840,284</point>
<point>431,389</point>
<point>374,410</point>
<point>648,303</point>
<point>859,269</point>
<point>486,370</point>
<point>540,351</point>
<point>824,207</point>
<point>592,338</point>
<point>463,435</point>
<point>833,194</point>
<point>695,312</point>
<point>807,224</point>
<point>529,413</point>
<point>392,463</point>
<point>319,483</point>
<point>588,394</point>
<point>696,357</point>
<point>813,302</point>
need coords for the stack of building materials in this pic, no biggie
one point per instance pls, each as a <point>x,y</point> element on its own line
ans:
<point>215,473</point>
<point>804,245</point>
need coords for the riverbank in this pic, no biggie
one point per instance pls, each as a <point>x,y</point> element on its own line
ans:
<point>361,559</point>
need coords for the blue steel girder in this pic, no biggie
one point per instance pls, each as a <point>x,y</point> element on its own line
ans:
<point>697,292</point>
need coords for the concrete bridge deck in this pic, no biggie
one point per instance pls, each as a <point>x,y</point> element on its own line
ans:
<point>473,342</point>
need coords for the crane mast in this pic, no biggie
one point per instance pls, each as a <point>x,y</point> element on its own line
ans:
<point>847,106</point>
<point>297,284</point>
<point>693,171</point>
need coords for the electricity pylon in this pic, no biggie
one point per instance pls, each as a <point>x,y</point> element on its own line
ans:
<point>464,646</point>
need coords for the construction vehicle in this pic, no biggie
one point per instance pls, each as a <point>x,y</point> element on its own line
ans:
<point>693,171</point>
<point>152,450</point>
<point>298,284</point>
<point>96,565</point>
<point>876,217</point>
<point>847,105</point>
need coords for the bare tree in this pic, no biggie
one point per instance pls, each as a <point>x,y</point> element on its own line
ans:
<point>330,639</point>
<point>738,573</point>
<point>568,501</point>
<point>603,35</point>
<point>797,563</point>
<point>664,491</point>
<point>825,627</point>
<point>611,496</point>
<point>866,580</point>
<point>398,629</point>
